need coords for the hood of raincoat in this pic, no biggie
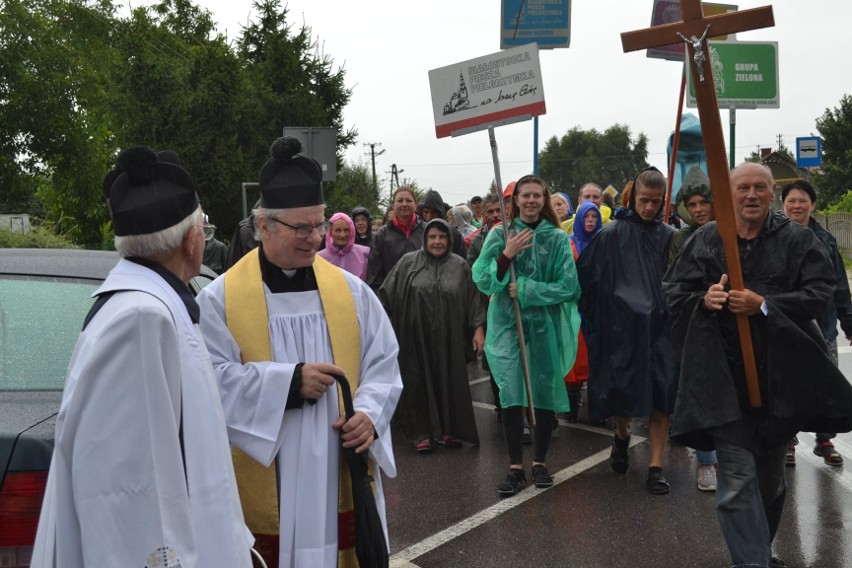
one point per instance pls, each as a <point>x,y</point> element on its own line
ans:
<point>367,239</point>
<point>570,205</point>
<point>696,182</point>
<point>433,200</point>
<point>443,226</point>
<point>329,239</point>
<point>461,220</point>
<point>580,237</point>
<point>361,211</point>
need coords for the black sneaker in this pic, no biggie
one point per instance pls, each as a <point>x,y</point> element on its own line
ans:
<point>619,458</point>
<point>513,482</point>
<point>540,477</point>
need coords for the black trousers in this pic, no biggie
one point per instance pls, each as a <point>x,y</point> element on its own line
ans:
<point>513,430</point>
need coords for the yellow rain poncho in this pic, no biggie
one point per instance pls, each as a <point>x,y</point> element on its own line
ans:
<point>548,291</point>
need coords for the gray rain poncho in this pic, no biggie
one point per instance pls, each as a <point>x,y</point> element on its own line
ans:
<point>434,308</point>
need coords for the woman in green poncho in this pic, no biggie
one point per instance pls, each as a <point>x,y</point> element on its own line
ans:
<point>547,290</point>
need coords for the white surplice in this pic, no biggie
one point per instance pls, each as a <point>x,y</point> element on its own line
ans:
<point>123,488</point>
<point>306,447</point>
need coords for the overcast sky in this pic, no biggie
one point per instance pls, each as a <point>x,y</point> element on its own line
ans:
<point>387,48</point>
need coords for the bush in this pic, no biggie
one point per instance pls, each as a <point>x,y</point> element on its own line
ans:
<point>843,205</point>
<point>41,236</point>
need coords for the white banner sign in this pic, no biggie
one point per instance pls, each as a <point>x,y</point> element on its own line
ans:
<point>487,91</point>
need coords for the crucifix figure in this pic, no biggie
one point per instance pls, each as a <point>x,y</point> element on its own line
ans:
<point>698,50</point>
<point>698,28</point>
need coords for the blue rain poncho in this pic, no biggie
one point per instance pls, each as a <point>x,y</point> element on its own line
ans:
<point>548,291</point>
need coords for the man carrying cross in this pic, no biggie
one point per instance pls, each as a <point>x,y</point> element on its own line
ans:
<point>788,282</point>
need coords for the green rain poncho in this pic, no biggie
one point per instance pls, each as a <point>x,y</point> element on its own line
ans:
<point>548,291</point>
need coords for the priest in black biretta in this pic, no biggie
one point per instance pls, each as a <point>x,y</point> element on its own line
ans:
<point>280,324</point>
<point>147,192</point>
<point>288,179</point>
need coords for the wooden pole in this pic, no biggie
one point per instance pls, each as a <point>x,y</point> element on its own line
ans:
<point>675,144</point>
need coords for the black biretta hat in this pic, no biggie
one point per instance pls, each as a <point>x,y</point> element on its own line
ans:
<point>148,192</point>
<point>288,179</point>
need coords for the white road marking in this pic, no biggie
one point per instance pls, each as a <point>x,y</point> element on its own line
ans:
<point>403,558</point>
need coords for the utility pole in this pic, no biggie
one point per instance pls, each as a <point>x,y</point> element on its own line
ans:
<point>372,153</point>
<point>395,176</point>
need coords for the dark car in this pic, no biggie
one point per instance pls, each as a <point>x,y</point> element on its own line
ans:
<point>44,297</point>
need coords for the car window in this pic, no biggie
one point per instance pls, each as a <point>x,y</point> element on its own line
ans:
<point>39,324</point>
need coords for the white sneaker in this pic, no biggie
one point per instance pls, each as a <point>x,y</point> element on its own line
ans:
<point>707,477</point>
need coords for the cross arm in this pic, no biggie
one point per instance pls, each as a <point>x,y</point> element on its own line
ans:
<point>721,24</point>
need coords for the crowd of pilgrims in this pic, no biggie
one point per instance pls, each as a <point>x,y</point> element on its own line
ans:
<point>442,274</point>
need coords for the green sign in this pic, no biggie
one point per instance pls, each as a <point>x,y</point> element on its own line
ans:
<point>745,74</point>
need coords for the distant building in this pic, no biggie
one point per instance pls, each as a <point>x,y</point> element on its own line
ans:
<point>18,223</point>
<point>783,169</point>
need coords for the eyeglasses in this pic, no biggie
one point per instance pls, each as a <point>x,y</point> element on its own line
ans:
<point>209,230</point>
<point>304,231</point>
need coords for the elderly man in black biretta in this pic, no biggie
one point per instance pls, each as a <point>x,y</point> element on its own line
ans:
<point>280,325</point>
<point>141,402</point>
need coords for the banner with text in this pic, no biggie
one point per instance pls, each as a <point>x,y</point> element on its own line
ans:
<point>497,89</point>
<point>545,22</point>
<point>745,74</point>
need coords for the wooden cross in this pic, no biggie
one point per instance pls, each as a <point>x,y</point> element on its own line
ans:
<point>694,31</point>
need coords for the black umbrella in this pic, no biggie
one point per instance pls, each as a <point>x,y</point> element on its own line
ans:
<point>370,545</point>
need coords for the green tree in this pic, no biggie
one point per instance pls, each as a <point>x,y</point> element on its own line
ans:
<point>835,127</point>
<point>353,187</point>
<point>78,83</point>
<point>53,131</point>
<point>291,81</point>
<point>580,156</point>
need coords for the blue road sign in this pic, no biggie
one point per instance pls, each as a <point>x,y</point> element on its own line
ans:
<point>808,152</point>
<point>545,22</point>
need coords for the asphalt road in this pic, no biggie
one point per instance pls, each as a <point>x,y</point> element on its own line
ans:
<point>444,510</point>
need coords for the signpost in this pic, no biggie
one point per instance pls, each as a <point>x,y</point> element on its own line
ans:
<point>668,12</point>
<point>745,74</point>
<point>489,91</point>
<point>694,31</point>
<point>545,22</point>
<point>319,143</point>
<point>808,152</point>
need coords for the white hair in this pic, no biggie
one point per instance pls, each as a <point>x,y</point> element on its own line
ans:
<point>157,246</point>
<point>259,212</point>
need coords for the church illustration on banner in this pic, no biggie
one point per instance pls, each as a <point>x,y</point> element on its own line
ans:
<point>459,99</point>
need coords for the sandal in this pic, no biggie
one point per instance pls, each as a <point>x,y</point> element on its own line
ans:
<point>424,446</point>
<point>619,459</point>
<point>828,454</point>
<point>515,479</point>
<point>657,484</point>
<point>450,441</point>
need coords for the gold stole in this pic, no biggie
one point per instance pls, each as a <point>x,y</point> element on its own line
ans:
<point>248,321</point>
